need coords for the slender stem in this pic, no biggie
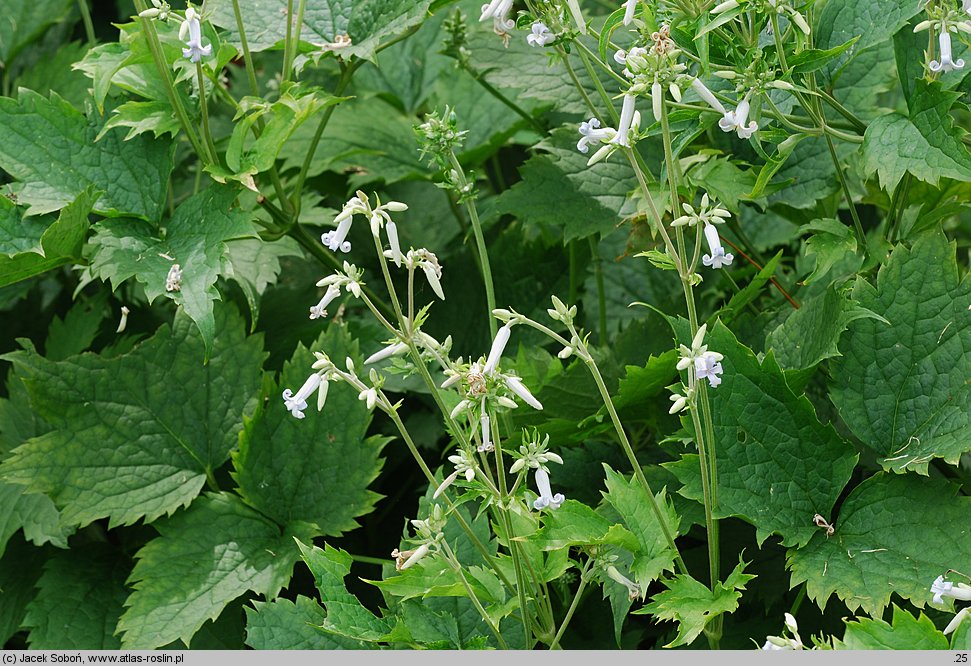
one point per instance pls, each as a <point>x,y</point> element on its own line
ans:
<point>573,605</point>
<point>480,243</point>
<point>247,56</point>
<point>848,196</point>
<point>86,19</point>
<point>584,355</point>
<point>204,109</point>
<point>342,84</point>
<point>515,108</point>
<point>288,44</point>
<point>457,568</point>
<point>416,454</point>
<point>507,527</point>
<point>151,36</point>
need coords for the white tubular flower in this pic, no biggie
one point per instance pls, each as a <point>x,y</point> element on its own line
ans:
<point>657,100</point>
<point>967,6</point>
<point>498,11</point>
<point>737,121</point>
<point>591,133</point>
<point>459,408</point>
<point>541,35</point>
<point>631,7</point>
<point>432,270</point>
<point>495,9</point>
<point>626,119</point>
<point>295,404</point>
<point>516,386</point>
<point>194,49</point>
<point>486,444</point>
<point>680,402</point>
<point>546,499</point>
<point>577,15</point>
<point>320,310</point>
<point>124,319</point>
<point>173,280</point>
<point>633,589</point>
<point>941,588</point>
<point>965,612</point>
<point>707,96</point>
<point>498,346</point>
<point>416,555</point>
<point>395,349</point>
<point>726,6</point>
<point>718,257</point>
<point>392,230</point>
<point>369,396</point>
<point>947,62</point>
<point>708,367</point>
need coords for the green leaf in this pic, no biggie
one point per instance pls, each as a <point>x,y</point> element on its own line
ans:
<point>903,389</point>
<point>928,144</point>
<point>59,244</point>
<point>282,624</point>
<point>693,605</point>
<point>368,23</point>
<point>202,559</point>
<point>369,139</point>
<point>19,233</point>
<point>255,265</point>
<point>195,238</point>
<point>631,501</point>
<point>872,22</point>
<point>285,467</point>
<point>811,172</point>
<point>80,597</point>
<point>830,244</point>
<point>34,513</point>
<point>811,60</point>
<point>559,179</point>
<point>20,567</point>
<point>281,118</point>
<point>751,291</point>
<point>576,524</point>
<point>126,448</point>
<point>75,333</point>
<point>894,535</point>
<point>906,633</point>
<point>54,71</point>
<point>770,448</point>
<point>49,146</point>
<point>811,333</point>
<point>345,614</point>
<point>24,21</point>
<point>140,117</point>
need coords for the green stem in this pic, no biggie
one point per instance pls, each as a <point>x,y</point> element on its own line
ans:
<point>704,441</point>
<point>288,44</point>
<point>86,19</point>
<point>479,240</point>
<point>584,355</point>
<point>155,47</point>
<point>457,568</point>
<point>507,527</point>
<point>573,606</point>
<point>204,109</point>
<point>247,56</point>
<point>342,84</point>
<point>515,108</point>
